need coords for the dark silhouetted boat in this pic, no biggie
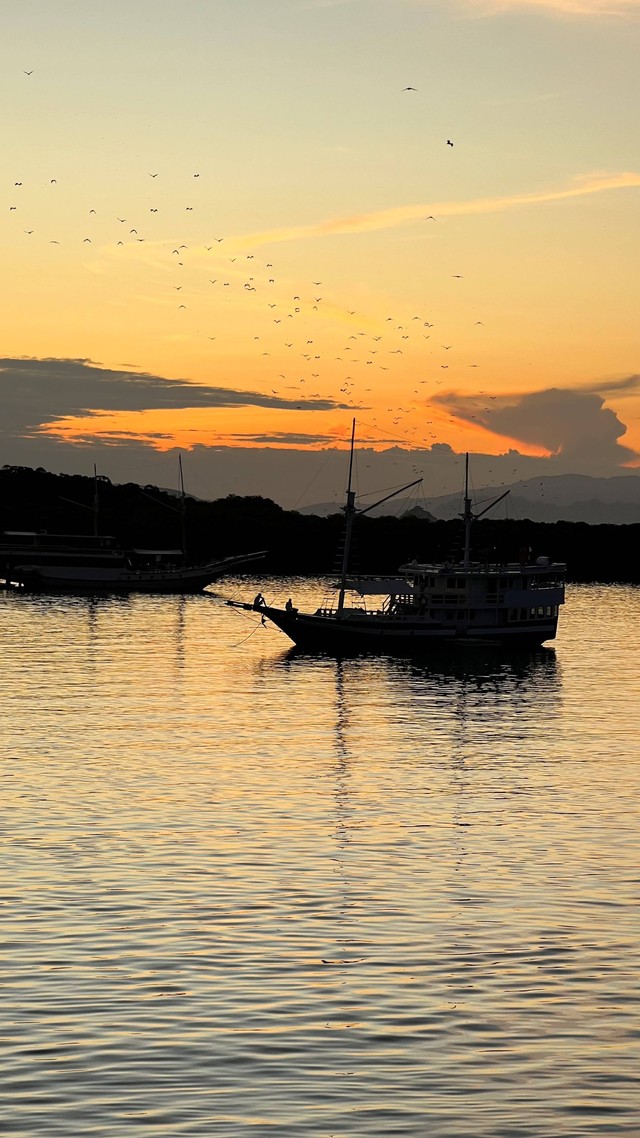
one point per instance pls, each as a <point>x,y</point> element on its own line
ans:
<point>428,605</point>
<point>38,562</point>
<point>83,563</point>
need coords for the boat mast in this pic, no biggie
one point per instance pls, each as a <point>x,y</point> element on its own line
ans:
<point>96,501</point>
<point>350,513</point>
<point>467,515</point>
<point>183,509</point>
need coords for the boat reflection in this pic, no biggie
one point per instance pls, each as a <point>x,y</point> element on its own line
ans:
<point>477,665</point>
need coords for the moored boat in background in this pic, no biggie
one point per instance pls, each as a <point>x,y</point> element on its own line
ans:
<point>40,562</point>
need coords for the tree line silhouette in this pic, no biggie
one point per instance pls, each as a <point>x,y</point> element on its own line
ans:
<point>150,517</point>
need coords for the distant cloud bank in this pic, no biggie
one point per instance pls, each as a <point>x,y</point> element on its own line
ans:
<point>572,422</point>
<point>574,426</point>
<point>38,393</point>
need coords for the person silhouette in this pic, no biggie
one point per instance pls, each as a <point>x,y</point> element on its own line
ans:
<point>258,601</point>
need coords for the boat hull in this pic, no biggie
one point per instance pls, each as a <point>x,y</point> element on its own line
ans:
<point>349,634</point>
<point>66,579</point>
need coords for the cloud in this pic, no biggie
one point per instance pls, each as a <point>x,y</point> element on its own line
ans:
<point>281,438</point>
<point>39,392</point>
<point>400,215</point>
<point>563,7</point>
<point>568,422</point>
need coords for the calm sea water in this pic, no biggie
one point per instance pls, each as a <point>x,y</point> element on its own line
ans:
<point>247,892</point>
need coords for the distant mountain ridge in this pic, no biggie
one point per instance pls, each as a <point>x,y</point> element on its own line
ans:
<point>552,498</point>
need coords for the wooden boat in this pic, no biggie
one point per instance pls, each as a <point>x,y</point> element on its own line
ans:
<point>140,571</point>
<point>427,605</point>
<point>83,563</point>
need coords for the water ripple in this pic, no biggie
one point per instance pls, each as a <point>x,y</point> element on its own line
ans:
<point>249,891</point>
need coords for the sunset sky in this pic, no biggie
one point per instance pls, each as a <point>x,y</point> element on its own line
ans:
<point>239,223</point>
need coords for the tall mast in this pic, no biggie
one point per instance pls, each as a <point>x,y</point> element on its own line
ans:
<point>467,516</point>
<point>350,512</point>
<point>96,501</point>
<point>183,506</point>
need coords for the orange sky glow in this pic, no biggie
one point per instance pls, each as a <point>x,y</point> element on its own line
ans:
<point>329,245</point>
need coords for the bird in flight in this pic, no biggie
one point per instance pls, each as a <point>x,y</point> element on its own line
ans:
<point>28,73</point>
<point>430,217</point>
<point>409,88</point>
<point>449,142</point>
<point>457,276</point>
<point>153,175</point>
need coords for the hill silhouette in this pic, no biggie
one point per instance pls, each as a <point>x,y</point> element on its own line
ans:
<point>550,498</point>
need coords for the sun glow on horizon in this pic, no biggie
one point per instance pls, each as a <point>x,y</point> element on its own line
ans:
<point>401,239</point>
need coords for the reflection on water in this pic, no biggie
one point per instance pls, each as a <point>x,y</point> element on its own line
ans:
<point>249,890</point>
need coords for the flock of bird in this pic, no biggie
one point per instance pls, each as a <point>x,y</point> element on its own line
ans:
<point>318,338</point>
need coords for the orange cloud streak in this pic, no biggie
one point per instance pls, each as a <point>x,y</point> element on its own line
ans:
<point>400,215</point>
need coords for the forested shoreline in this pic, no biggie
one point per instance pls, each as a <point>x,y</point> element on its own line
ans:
<point>145,516</point>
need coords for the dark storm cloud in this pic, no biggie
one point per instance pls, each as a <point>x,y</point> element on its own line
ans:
<point>39,391</point>
<point>573,423</point>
